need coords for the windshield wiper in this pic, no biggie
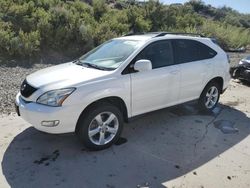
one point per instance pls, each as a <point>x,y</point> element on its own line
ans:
<point>92,65</point>
<point>77,61</point>
<point>87,64</point>
<point>96,66</point>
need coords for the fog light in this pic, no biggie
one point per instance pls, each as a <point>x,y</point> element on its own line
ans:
<point>50,123</point>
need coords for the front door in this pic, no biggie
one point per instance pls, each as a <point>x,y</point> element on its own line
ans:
<point>159,87</point>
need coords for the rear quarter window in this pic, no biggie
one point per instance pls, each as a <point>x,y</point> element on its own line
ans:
<point>187,50</point>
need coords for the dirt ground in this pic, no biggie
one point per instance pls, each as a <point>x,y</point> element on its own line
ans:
<point>174,147</point>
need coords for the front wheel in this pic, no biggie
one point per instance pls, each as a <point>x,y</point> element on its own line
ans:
<point>100,127</point>
<point>209,97</point>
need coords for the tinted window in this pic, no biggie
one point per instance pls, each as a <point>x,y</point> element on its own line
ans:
<point>159,53</point>
<point>191,50</point>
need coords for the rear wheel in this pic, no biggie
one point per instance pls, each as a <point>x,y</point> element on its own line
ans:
<point>100,127</point>
<point>210,97</point>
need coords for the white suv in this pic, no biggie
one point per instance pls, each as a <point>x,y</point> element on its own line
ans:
<point>122,78</point>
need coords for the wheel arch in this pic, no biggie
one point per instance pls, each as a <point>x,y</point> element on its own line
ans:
<point>219,80</point>
<point>114,100</point>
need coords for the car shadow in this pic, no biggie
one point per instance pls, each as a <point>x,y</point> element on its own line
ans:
<point>154,149</point>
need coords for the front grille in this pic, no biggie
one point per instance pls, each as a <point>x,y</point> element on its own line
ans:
<point>26,89</point>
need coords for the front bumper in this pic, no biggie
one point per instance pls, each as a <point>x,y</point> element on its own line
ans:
<point>240,72</point>
<point>35,114</point>
<point>245,75</point>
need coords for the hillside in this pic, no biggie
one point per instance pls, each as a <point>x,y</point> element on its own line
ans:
<point>223,14</point>
<point>71,27</point>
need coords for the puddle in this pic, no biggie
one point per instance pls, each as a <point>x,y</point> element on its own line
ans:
<point>121,141</point>
<point>227,127</point>
<point>192,109</point>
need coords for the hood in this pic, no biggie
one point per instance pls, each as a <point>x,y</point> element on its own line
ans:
<point>245,60</point>
<point>64,75</point>
<point>245,63</point>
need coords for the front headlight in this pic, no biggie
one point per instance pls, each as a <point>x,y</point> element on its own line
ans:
<point>55,97</point>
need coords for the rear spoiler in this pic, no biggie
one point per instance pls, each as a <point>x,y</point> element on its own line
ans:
<point>214,40</point>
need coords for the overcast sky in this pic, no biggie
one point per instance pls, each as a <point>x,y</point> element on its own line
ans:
<point>242,6</point>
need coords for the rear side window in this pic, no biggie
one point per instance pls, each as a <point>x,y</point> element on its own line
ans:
<point>160,53</point>
<point>191,50</point>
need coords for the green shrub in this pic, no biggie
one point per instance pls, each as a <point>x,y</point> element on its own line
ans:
<point>100,8</point>
<point>228,36</point>
<point>137,21</point>
<point>29,43</point>
<point>75,26</point>
<point>6,34</point>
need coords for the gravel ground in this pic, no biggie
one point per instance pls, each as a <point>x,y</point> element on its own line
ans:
<point>12,76</point>
<point>10,81</point>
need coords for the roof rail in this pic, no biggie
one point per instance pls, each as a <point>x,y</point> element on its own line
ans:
<point>142,33</point>
<point>163,33</point>
<point>130,34</point>
<point>173,33</point>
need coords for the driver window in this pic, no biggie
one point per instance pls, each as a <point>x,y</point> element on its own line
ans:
<point>159,53</point>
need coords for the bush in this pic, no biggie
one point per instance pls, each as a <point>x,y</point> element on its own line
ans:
<point>228,36</point>
<point>24,44</point>
<point>6,34</point>
<point>75,26</point>
<point>100,8</point>
<point>136,20</point>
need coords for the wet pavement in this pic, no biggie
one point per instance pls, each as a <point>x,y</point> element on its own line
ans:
<point>227,127</point>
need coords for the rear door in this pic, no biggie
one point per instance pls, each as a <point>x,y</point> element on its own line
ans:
<point>195,60</point>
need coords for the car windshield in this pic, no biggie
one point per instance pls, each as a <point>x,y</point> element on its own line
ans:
<point>110,55</point>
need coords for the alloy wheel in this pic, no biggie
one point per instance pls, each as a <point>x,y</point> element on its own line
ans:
<point>103,128</point>
<point>211,97</point>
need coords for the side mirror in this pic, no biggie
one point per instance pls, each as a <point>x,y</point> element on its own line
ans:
<point>143,65</point>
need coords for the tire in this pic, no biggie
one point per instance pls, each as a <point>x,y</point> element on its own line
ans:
<point>210,93</point>
<point>100,126</point>
<point>234,72</point>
